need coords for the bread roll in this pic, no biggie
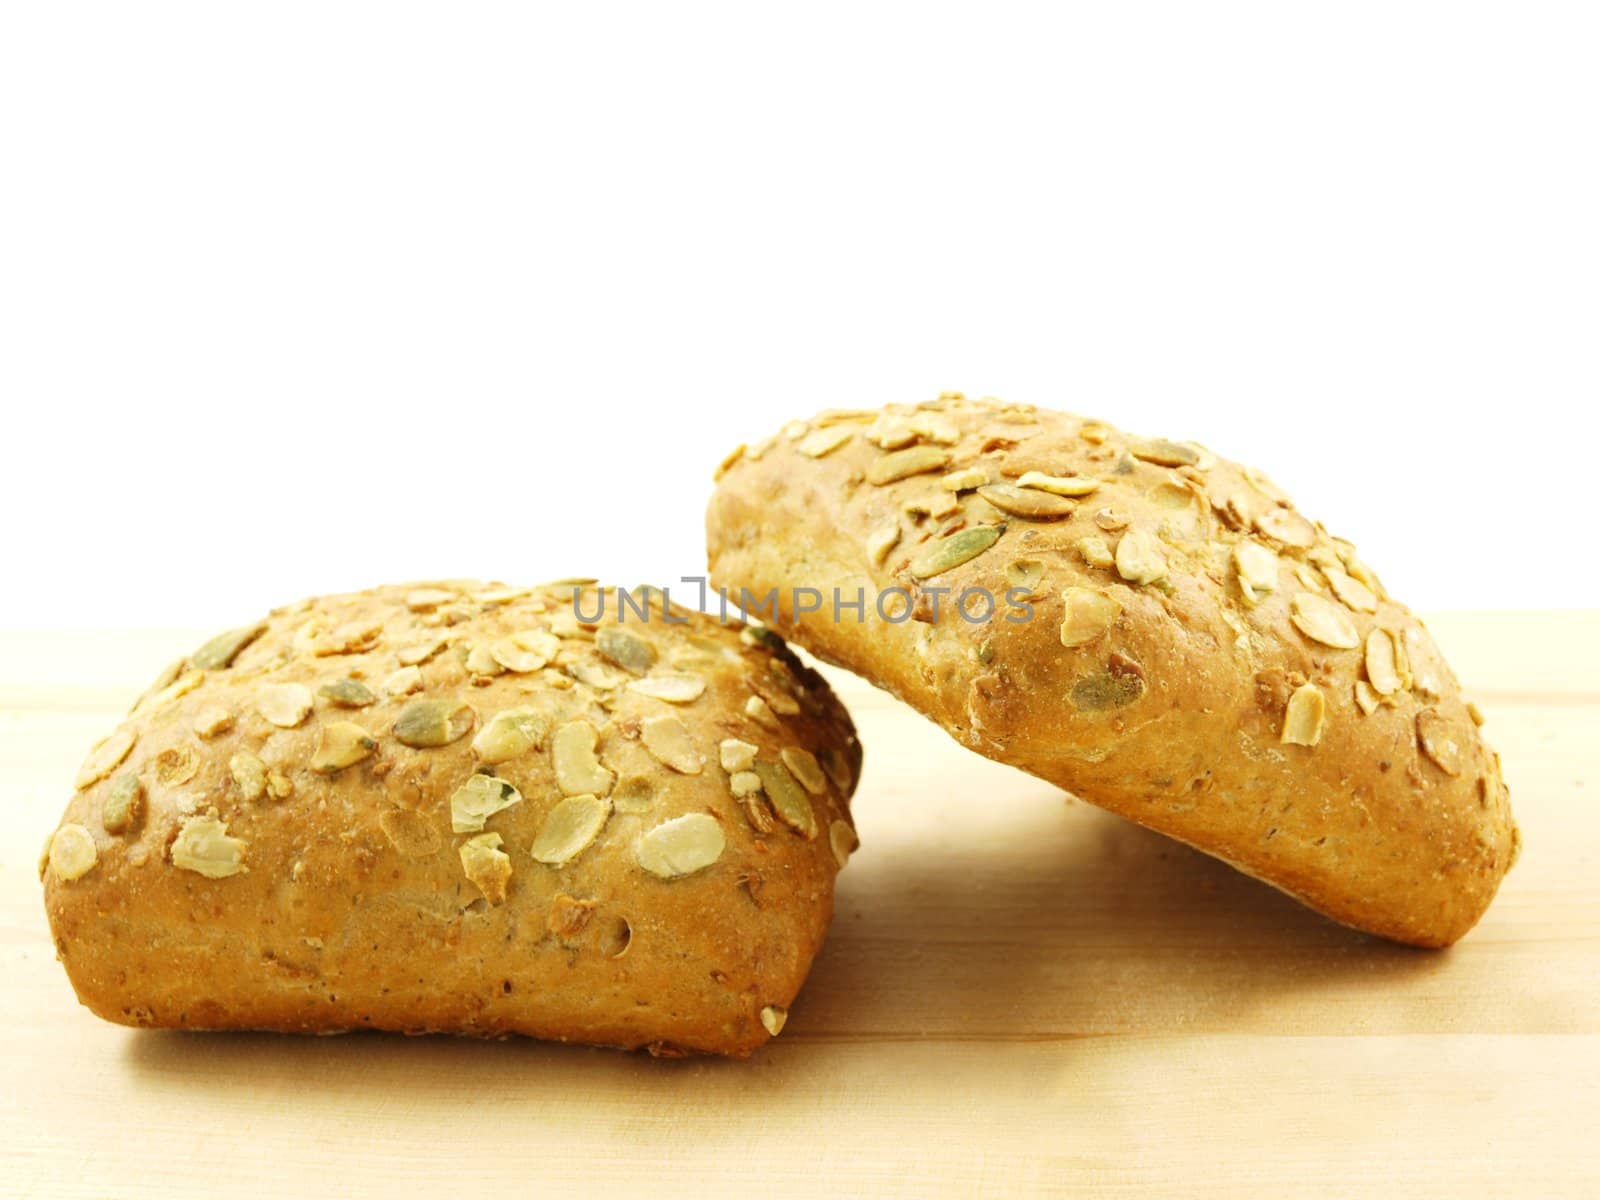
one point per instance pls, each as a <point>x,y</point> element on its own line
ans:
<point>1195,654</point>
<point>461,808</point>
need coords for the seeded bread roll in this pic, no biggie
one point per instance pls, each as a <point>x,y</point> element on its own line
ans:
<point>1200,658</point>
<point>466,809</point>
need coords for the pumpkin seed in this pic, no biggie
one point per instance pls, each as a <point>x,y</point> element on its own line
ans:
<point>427,724</point>
<point>221,650</point>
<point>628,650</point>
<point>123,811</point>
<point>1164,453</point>
<point>348,693</point>
<point>1031,503</point>
<point>788,799</point>
<point>950,552</point>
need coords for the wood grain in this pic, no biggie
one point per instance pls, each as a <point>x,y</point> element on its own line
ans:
<point>1021,995</point>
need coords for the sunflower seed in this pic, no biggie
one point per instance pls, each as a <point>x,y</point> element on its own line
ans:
<point>1382,671</point>
<point>950,552</point>
<point>428,599</point>
<point>671,686</point>
<point>72,853</point>
<point>1028,502</point>
<point>735,755</point>
<point>569,828</point>
<point>578,771</point>
<point>760,711</point>
<point>204,847</point>
<point>1323,621</point>
<point>411,833</point>
<point>509,734</point>
<point>402,682</point>
<point>525,652</point>
<point>104,758</point>
<point>249,775</point>
<point>1351,591</point>
<point>569,916</point>
<point>902,464</point>
<point>889,433</point>
<point>1302,719</point>
<point>1139,557</point>
<point>1096,553</point>
<point>286,705</point>
<point>667,739</point>
<point>426,724</point>
<point>1086,616</point>
<point>843,841</point>
<point>1059,485</point>
<point>822,442</point>
<point>1287,527</point>
<point>341,744</point>
<point>411,656</point>
<point>773,1019</point>
<point>1366,699</point>
<point>935,428</point>
<point>681,846</point>
<point>478,799</point>
<point>1024,575</point>
<point>1440,740</point>
<point>1257,567</point>
<point>481,661</point>
<point>880,541</point>
<point>964,480</point>
<point>597,675</point>
<point>486,866</point>
<point>356,637</point>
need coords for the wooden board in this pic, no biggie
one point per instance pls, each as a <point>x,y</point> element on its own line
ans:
<point>1021,995</point>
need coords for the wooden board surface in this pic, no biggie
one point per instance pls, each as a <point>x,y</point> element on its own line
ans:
<point>1021,995</point>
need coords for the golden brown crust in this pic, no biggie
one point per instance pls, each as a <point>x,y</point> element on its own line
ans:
<point>1197,657</point>
<point>277,837</point>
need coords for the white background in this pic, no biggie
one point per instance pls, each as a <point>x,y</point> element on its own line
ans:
<point>303,297</point>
